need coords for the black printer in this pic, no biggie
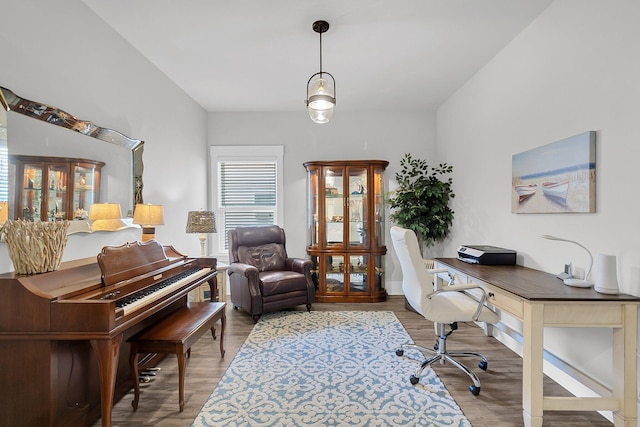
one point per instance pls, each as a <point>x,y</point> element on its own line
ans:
<point>486,255</point>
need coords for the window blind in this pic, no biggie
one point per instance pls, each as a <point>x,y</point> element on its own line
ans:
<point>248,193</point>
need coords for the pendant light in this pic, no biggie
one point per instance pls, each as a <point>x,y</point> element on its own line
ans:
<point>321,87</point>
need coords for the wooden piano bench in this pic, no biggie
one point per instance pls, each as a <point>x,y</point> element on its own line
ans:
<point>176,333</point>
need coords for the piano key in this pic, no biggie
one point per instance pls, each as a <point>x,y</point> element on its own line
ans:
<point>147,296</point>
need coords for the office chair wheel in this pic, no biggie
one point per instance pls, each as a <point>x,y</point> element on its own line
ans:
<point>414,380</point>
<point>482,365</point>
<point>474,390</point>
<point>399,352</point>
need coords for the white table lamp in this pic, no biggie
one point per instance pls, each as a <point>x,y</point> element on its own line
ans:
<point>202,222</point>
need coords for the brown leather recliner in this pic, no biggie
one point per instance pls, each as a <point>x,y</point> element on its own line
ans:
<point>261,277</point>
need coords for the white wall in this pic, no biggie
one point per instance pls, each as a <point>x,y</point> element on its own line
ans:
<point>60,53</point>
<point>574,69</point>
<point>348,136</point>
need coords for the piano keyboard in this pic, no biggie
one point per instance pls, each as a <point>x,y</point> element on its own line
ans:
<point>152,293</point>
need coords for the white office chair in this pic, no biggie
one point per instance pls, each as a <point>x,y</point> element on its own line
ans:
<point>444,306</point>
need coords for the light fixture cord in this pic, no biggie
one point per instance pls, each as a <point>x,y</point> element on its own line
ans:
<point>320,54</point>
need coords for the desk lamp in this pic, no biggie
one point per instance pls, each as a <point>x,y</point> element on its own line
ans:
<point>105,217</point>
<point>201,222</point>
<point>148,216</point>
<point>572,281</point>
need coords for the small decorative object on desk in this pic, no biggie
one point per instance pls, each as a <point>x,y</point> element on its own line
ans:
<point>35,247</point>
<point>606,275</point>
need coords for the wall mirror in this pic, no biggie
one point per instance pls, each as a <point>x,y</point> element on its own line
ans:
<point>30,128</point>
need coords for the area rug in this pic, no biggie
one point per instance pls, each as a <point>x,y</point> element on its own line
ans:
<point>327,368</point>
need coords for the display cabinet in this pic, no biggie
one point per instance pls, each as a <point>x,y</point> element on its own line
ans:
<point>345,229</point>
<point>54,188</point>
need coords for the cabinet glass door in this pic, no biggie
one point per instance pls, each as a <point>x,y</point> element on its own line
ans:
<point>334,205</point>
<point>378,205</point>
<point>379,273</point>
<point>357,207</point>
<point>85,190</point>
<point>358,274</point>
<point>334,277</point>
<point>56,192</point>
<point>32,192</point>
<point>312,209</point>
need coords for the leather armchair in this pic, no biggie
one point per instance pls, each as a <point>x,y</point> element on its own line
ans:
<point>262,278</point>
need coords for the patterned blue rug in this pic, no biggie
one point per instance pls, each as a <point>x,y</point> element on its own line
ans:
<point>327,368</point>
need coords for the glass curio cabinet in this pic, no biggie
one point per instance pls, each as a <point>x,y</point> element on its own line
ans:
<point>55,188</point>
<point>345,229</point>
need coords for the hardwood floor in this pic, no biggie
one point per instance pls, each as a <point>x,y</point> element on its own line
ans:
<point>498,405</point>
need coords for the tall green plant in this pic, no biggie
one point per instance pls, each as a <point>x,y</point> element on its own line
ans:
<point>421,201</point>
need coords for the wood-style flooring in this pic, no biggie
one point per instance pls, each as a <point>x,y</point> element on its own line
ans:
<point>498,405</point>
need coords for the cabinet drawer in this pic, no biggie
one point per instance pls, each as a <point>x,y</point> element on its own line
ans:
<point>504,300</point>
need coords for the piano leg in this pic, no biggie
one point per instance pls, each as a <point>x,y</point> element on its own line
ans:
<point>133,363</point>
<point>107,352</point>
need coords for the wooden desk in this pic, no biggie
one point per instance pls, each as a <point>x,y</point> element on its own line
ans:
<point>539,300</point>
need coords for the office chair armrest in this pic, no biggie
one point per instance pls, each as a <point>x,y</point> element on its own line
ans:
<point>465,287</point>
<point>457,288</point>
<point>438,270</point>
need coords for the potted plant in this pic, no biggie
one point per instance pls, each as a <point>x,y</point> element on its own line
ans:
<point>421,201</point>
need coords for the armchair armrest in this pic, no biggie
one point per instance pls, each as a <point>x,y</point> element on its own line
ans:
<point>244,284</point>
<point>298,265</point>
<point>245,270</point>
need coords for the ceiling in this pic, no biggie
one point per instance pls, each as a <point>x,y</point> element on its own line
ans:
<point>257,55</point>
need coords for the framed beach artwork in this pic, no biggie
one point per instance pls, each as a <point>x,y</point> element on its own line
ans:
<point>556,178</point>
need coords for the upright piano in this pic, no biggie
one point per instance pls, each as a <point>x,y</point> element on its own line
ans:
<point>63,350</point>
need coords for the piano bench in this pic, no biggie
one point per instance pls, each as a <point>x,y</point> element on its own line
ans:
<point>176,333</point>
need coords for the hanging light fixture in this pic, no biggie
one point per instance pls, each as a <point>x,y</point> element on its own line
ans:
<point>321,87</point>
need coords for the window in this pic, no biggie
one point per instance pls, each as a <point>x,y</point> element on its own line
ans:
<point>247,187</point>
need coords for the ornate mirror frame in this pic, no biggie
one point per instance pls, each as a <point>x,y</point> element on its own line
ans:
<point>9,101</point>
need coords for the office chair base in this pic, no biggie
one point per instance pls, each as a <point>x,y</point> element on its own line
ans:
<point>441,354</point>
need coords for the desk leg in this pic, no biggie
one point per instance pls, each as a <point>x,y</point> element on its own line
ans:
<point>532,376</point>
<point>624,366</point>
<point>107,352</point>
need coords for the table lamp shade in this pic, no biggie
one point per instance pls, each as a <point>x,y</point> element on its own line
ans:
<point>105,217</point>
<point>99,211</point>
<point>201,222</point>
<point>148,216</point>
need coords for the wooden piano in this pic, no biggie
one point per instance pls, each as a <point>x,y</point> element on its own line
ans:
<point>63,350</point>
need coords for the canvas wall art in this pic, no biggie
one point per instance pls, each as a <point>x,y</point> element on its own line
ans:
<point>556,178</point>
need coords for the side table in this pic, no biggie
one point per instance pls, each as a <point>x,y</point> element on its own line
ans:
<point>201,293</point>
